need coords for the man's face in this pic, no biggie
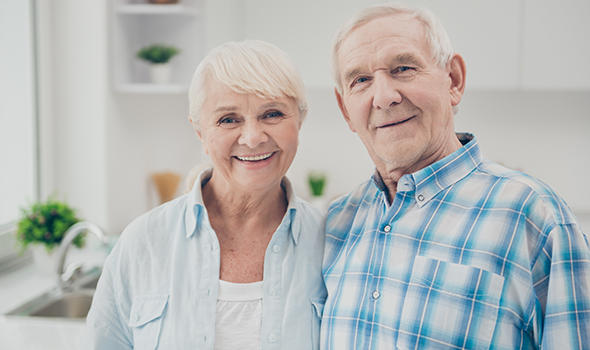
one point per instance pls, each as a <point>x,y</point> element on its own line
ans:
<point>395,97</point>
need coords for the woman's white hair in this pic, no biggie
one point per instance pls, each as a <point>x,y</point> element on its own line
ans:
<point>436,35</point>
<point>248,67</point>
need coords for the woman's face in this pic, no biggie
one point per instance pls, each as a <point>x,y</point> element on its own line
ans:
<point>250,140</point>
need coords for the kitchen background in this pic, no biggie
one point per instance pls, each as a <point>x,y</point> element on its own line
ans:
<point>527,99</point>
<point>103,130</point>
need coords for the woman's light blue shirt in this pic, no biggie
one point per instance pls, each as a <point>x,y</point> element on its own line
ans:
<point>159,286</point>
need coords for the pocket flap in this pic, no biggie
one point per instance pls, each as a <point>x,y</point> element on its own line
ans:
<point>318,307</point>
<point>147,308</point>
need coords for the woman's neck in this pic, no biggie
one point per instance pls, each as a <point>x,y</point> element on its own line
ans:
<point>243,205</point>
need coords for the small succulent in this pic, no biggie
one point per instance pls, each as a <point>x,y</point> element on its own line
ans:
<point>157,53</point>
<point>46,223</point>
<point>317,182</point>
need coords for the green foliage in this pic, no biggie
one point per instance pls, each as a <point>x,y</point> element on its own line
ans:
<point>317,182</point>
<point>46,223</point>
<point>157,53</point>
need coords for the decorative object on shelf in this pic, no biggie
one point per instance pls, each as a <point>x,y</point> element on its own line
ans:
<point>317,184</point>
<point>42,226</point>
<point>166,185</point>
<point>158,56</point>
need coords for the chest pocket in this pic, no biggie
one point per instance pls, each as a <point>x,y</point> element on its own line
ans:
<point>449,305</point>
<point>145,320</point>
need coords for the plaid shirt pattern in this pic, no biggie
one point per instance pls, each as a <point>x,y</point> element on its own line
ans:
<point>469,255</point>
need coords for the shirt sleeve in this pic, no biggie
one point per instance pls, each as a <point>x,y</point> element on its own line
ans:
<point>561,277</point>
<point>106,323</point>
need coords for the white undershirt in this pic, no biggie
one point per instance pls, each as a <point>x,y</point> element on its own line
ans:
<point>239,316</point>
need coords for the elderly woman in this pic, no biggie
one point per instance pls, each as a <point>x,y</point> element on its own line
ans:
<point>235,263</point>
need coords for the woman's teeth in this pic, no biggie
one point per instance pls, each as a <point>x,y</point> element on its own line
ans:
<point>255,158</point>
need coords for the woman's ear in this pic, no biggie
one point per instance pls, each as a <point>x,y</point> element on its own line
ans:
<point>457,74</point>
<point>195,125</point>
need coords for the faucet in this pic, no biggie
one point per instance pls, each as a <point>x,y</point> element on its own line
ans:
<point>69,236</point>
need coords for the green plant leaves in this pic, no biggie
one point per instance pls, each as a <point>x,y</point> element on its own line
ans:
<point>46,223</point>
<point>157,53</point>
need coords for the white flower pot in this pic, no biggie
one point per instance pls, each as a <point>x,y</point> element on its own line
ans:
<point>45,262</point>
<point>160,73</point>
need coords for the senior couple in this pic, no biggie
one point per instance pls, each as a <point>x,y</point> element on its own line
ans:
<point>440,248</point>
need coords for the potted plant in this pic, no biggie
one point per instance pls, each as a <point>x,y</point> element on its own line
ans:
<point>43,226</point>
<point>158,56</point>
<point>317,184</point>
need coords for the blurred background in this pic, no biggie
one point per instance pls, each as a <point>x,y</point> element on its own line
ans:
<point>83,120</point>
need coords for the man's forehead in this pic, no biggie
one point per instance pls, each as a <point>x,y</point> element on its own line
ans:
<point>389,33</point>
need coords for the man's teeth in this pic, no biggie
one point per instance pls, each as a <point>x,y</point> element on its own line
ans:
<point>255,158</point>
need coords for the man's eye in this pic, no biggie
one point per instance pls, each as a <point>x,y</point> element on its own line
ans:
<point>402,69</point>
<point>359,80</point>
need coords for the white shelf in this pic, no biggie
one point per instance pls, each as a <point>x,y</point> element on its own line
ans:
<point>152,88</point>
<point>152,9</point>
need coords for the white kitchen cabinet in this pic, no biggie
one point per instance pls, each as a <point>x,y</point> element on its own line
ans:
<point>556,51</point>
<point>138,24</point>
<point>487,35</point>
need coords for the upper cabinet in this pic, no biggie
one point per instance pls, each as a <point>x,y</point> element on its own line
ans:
<point>138,24</point>
<point>556,51</point>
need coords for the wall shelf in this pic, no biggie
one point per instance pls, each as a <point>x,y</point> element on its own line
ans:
<point>148,88</point>
<point>152,9</point>
<point>139,24</point>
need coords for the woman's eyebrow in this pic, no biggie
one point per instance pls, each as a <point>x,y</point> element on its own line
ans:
<point>225,109</point>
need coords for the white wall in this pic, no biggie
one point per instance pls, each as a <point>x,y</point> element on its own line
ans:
<point>106,143</point>
<point>75,103</point>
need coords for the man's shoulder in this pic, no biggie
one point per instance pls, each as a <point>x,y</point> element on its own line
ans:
<point>348,207</point>
<point>536,197</point>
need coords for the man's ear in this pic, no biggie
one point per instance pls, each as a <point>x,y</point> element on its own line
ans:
<point>457,74</point>
<point>343,109</point>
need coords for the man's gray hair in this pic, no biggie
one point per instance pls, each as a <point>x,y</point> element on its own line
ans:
<point>436,35</point>
<point>247,67</point>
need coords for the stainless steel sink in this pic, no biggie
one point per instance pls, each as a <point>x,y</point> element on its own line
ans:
<point>73,303</point>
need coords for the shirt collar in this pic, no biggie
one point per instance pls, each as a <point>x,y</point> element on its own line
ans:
<point>429,181</point>
<point>196,207</point>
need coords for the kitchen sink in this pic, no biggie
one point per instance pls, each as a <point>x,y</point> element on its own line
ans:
<point>73,303</point>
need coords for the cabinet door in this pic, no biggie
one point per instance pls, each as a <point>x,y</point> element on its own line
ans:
<point>487,35</point>
<point>556,51</point>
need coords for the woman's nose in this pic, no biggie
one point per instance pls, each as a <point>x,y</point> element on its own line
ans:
<point>253,134</point>
<point>386,93</point>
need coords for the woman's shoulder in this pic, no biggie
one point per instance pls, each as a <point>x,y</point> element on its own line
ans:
<point>155,227</point>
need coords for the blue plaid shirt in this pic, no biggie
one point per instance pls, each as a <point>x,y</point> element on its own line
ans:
<point>469,255</point>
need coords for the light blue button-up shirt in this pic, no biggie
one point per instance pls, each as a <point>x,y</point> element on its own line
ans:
<point>159,286</point>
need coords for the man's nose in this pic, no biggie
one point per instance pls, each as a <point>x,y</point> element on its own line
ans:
<point>253,134</point>
<point>386,93</point>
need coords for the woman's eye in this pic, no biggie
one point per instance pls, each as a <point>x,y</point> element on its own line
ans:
<point>273,114</point>
<point>227,121</point>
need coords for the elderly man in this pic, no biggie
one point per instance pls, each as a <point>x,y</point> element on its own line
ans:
<point>441,248</point>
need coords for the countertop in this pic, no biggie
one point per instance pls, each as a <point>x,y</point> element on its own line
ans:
<point>29,281</point>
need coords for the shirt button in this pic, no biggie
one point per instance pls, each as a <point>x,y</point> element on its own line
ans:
<point>209,291</point>
<point>420,197</point>
<point>376,294</point>
<point>276,248</point>
<point>273,337</point>
<point>387,228</point>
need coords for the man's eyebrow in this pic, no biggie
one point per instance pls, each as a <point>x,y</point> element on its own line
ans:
<point>351,74</point>
<point>407,58</point>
